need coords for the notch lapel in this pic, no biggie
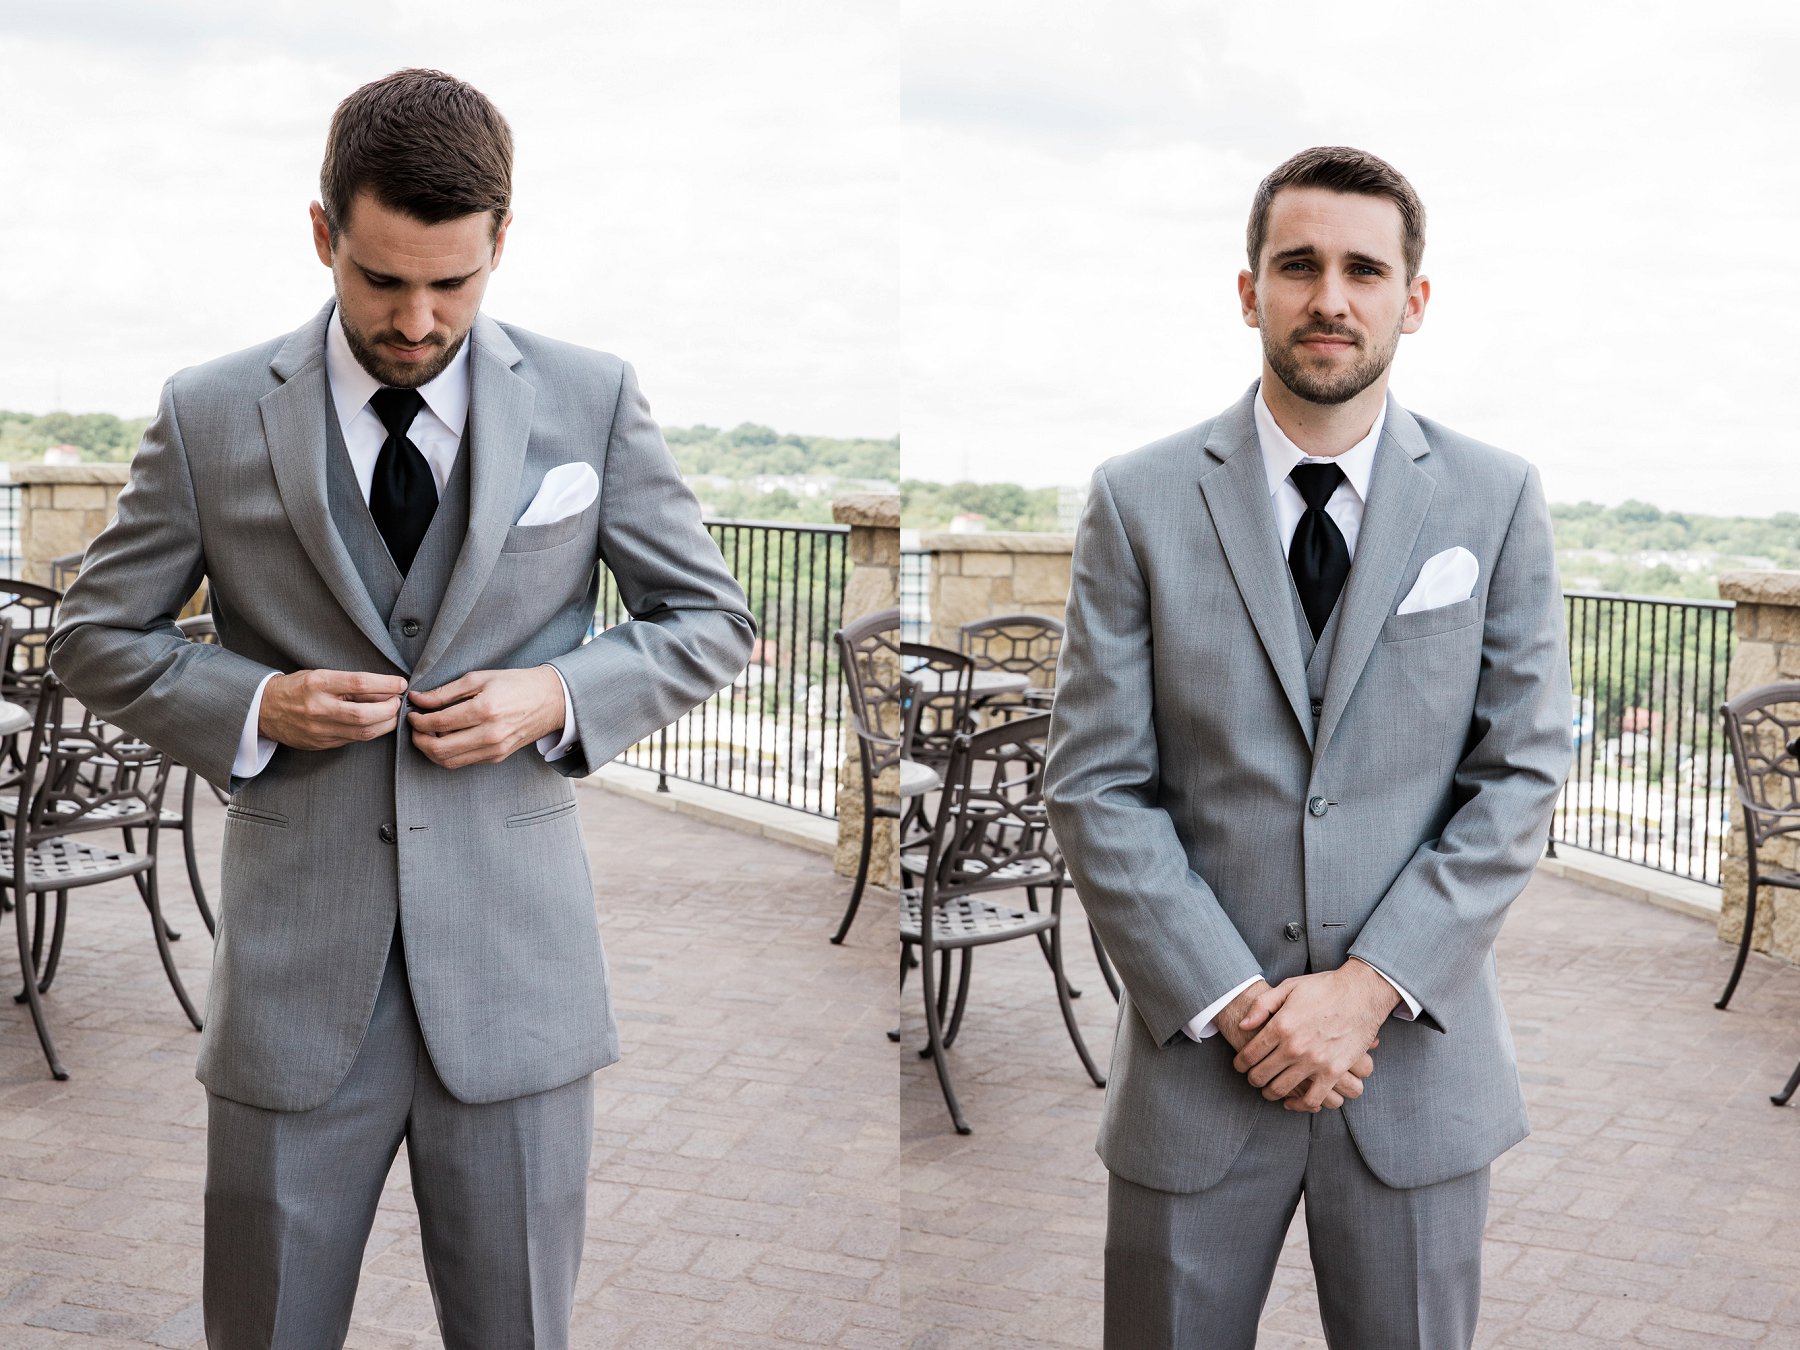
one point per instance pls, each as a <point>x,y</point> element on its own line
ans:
<point>1399,494</point>
<point>293,416</point>
<point>500,405</point>
<point>1237,496</point>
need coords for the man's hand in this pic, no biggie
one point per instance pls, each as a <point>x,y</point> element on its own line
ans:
<point>323,709</point>
<point>1313,1029</point>
<point>486,715</point>
<point>1349,1084</point>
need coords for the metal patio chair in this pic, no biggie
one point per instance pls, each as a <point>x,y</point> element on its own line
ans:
<point>79,779</point>
<point>1760,725</point>
<point>945,686</point>
<point>25,659</point>
<point>992,836</point>
<point>882,713</point>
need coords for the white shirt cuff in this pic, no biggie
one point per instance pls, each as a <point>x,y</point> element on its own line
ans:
<point>1409,1006</point>
<point>1202,1025</point>
<point>555,744</point>
<point>254,749</point>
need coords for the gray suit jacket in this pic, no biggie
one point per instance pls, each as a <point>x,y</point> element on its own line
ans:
<point>486,872</point>
<point>1183,756</point>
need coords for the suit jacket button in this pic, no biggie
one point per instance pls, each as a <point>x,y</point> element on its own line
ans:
<point>410,628</point>
<point>386,832</point>
<point>1291,932</point>
<point>1317,805</point>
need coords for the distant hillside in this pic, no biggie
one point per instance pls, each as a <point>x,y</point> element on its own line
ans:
<point>1639,549</point>
<point>101,436</point>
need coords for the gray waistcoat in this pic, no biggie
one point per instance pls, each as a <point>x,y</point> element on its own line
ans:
<point>409,604</point>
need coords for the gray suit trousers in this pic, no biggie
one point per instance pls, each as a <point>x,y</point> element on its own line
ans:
<point>1397,1268</point>
<point>501,1189</point>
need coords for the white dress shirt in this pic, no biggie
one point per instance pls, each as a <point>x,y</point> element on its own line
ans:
<point>437,433</point>
<point>1345,508</point>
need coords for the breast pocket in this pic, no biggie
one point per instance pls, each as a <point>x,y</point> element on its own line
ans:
<point>1426,623</point>
<point>537,538</point>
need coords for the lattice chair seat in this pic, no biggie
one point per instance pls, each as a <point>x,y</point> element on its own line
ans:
<point>62,862</point>
<point>106,811</point>
<point>969,921</point>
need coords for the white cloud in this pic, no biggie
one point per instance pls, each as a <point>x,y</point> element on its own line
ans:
<point>1611,196</point>
<point>707,189</point>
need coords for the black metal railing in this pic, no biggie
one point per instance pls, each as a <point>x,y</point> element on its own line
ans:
<point>915,595</point>
<point>1651,781</point>
<point>776,732</point>
<point>11,552</point>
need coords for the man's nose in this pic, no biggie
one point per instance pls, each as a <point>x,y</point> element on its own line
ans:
<point>1330,297</point>
<point>412,319</point>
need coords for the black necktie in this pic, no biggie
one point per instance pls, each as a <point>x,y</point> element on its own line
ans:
<point>1319,558</point>
<point>402,496</point>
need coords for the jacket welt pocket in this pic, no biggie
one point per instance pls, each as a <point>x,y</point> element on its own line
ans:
<point>537,538</point>
<point>539,816</point>
<point>1430,622</point>
<point>255,817</point>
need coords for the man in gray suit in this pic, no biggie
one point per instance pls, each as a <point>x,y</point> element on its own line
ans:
<point>1311,716</point>
<point>399,510</point>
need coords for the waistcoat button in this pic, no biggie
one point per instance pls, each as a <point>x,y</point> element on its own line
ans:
<point>410,628</point>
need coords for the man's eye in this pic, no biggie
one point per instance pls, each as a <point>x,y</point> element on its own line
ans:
<point>381,283</point>
<point>456,285</point>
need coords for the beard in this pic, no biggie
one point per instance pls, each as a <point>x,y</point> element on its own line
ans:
<point>400,375</point>
<point>1317,383</point>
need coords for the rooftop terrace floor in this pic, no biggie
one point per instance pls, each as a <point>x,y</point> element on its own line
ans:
<point>764,1174</point>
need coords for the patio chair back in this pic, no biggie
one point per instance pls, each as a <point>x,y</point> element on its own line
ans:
<point>89,775</point>
<point>1020,644</point>
<point>869,652</point>
<point>994,834</point>
<point>25,658</point>
<point>1761,725</point>
<point>945,681</point>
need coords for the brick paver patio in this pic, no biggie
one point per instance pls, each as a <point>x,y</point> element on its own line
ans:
<point>743,1187</point>
<point>1656,1203</point>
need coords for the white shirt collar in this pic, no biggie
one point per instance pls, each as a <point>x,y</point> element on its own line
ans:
<point>351,386</point>
<point>1280,454</point>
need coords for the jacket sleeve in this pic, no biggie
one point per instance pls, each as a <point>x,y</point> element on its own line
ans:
<point>1437,923</point>
<point>690,632</point>
<point>116,646</point>
<point>1176,949</point>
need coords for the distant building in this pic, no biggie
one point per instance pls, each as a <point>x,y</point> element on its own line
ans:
<point>969,522</point>
<point>63,454</point>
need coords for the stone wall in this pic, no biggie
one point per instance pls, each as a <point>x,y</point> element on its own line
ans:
<point>61,508</point>
<point>873,585</point>
<point>976,576</point>
<point>1767,621</point>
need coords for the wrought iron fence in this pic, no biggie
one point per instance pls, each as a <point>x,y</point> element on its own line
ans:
<point>1651,781</point>
<point>915,595</point>
<point>776,732</point>
<point>11,555</point>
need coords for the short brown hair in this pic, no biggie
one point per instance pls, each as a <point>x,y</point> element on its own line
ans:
<point>421,142</point>
<point>1338,168</point>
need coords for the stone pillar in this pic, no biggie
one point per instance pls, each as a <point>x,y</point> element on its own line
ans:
<point>1767,622</point>
<point>872,586</point>
<point>976,576</point>
<point>61,508</point>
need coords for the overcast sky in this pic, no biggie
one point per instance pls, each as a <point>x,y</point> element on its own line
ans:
<point>707,189</point>
<point>1033,271</point>
<point>1613,195</point>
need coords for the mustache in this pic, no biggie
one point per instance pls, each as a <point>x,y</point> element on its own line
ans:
<point>393,336</point>
<point>1330,330</point>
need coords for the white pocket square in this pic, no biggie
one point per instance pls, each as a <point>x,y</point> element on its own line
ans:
<point>567,490</point>
<point>1446,578</point>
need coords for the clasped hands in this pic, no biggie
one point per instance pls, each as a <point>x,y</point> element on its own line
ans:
<point>479,719</point>
<point>1305,1042</point>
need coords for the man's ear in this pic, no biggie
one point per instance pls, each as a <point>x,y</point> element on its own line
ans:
<point>321,234</point>
<point>500,241</point>
<point>1418,292</point>
<point>1247,297</point>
